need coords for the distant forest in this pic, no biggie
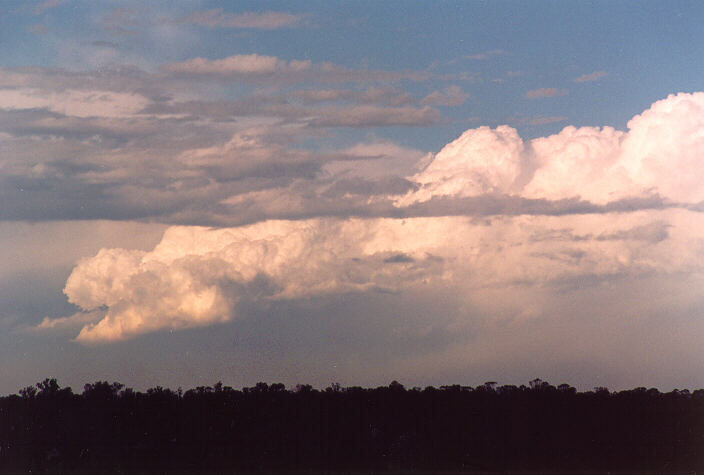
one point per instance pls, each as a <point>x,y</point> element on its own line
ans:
<point>267,426</point>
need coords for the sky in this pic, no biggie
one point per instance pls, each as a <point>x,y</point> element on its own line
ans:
<point>354,192</point>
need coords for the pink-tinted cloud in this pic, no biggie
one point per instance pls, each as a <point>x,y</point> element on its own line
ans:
<point>450,96</point>
<point>257,67</point>
<point>46,5</point>
<point>368,116</point>
<point>198,276</point>
<point>372,95</point>
<point>595,76</point>
<point>659,154</point>
<point>244,64</point>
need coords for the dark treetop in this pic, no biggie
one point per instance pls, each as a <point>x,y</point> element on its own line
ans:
<point>489,427</point>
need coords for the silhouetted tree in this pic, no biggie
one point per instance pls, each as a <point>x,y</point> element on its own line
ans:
<point>489,427</point>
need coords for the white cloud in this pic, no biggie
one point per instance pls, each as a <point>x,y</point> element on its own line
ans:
<point>664,147</point>
<point>578,162</point>
<point>198,276</point>
<point>661,153</point>
<point>481,161</point>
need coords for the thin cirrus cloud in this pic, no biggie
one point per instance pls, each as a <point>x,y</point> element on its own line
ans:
<point>259,67</point>
<point>46,5</point>
<point>217,18</point>
<point>373,116</point>
<point>38,29</point>
<point>546,120</point>
<point>199,276</point>
<point>595,76</point>
<point>545,92</point>
<point>539,120</point>
<point>486,54</point>
<point>372,95</point>
<point>241,64</point>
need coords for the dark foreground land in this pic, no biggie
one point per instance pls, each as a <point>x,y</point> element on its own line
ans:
<point>268,429</point>
<point>388,471</point>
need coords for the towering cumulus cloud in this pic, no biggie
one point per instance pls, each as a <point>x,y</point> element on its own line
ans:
<point>197,276</point>
<point>660,154</point>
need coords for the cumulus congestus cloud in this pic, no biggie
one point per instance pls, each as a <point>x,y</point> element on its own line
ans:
<point>639,192</point>
<point>660,154</point>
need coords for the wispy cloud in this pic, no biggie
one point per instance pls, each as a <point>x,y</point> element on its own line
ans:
<point>539,120</point>
<point>367,116</point>
<point>243,64</point>
<point>546,120</point>
<point>486,54</point>
<point>545,92</point>
<point>46,5</point>
<point>76,320</point>
<point>255,66</point>
<point>450,96</point>
<point>595,76</point>
<point>126,21</point>
<point>217,18</point>
<point>372,95</point>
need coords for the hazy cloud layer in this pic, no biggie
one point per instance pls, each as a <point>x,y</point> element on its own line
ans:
<point>42,7</point>
<point>595,76</point>
<point>486,54</point>
<point>217,18</point>
<point>254,67</point>
<point>545,92</point>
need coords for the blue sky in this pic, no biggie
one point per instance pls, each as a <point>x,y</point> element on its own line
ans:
<point>646,49</point>
<point>433,192</point>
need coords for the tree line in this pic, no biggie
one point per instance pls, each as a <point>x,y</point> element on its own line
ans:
<point>268,426</point>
